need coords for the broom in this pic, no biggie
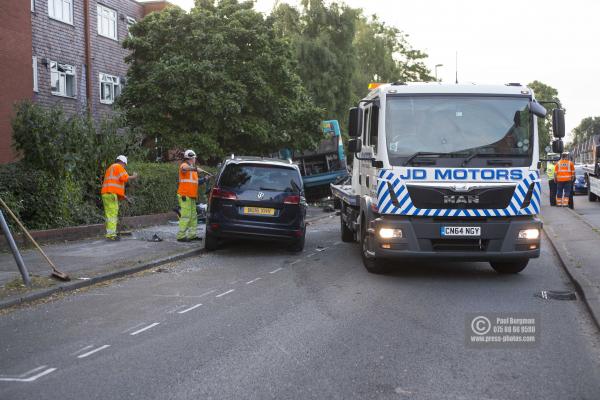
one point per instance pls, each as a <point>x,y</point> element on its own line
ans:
<point>55,272</point>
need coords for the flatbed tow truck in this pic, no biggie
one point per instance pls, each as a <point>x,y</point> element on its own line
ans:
<point>446,172</point>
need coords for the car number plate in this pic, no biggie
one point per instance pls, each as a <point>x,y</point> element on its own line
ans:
<point>259,211</point>
<point>473,231</point>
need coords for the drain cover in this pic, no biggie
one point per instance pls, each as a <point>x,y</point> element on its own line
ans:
<point>556,295</point>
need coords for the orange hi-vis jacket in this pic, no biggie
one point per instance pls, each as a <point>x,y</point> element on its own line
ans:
<point>188,182</point>
<point>564,171</point>
<point>114,180</point>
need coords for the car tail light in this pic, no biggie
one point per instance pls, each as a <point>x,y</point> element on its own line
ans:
<point>218,193</point>
<point>294,199</point>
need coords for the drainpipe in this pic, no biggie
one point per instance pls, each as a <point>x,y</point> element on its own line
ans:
<point>88,57</point>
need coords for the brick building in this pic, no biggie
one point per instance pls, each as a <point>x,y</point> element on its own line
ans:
<point>66,52</point>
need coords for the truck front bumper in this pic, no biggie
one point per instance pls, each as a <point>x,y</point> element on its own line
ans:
<point>422,238</point>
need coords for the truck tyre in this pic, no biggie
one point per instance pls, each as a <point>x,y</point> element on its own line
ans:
<point>509,267</point>
<point>347,234</point>
<point>337,203</point>
<point>298,244</point>
<point>592,196</point>
<point>372,264</point>
<point>211,243</point>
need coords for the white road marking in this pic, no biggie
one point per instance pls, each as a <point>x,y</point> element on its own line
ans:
<point>224,293</point>
<point>310,255</point>
<point>209,292</point>
<point>253,280</point>
<point>31,378</point>
<point>322,249</point>
<point>176,308</point>
<point>275,270</point>
<point>32,371</point>
<point>89,353</point>
<point>82,349</point>
<point>295,262</point>
<point>189,309</point>
<point>133,327</point>
<point>144,329</point>
<point>337,243</point>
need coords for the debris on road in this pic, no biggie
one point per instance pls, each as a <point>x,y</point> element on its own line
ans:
<point>556,295</point>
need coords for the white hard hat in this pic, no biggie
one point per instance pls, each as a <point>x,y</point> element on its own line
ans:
<point>189,154</point>
<point>122,158</point>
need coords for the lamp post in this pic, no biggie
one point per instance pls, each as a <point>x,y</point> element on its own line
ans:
<point>436,67</point>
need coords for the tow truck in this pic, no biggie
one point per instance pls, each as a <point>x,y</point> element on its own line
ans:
<point>447,172</point>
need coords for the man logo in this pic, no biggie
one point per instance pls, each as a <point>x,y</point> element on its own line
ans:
<point>260,195</point>
<point>461,199</point>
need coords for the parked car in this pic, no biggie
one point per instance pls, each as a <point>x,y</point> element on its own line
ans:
<point>580,185</point>
<point>257,198</point>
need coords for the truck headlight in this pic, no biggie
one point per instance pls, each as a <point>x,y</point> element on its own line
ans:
<point>389,233</point>
<point>532,234</point>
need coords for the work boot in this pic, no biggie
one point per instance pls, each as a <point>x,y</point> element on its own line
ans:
<point>183,240</point>
<point>113,238</point>
<point>195,239</point>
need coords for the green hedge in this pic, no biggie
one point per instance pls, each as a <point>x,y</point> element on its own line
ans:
<point>44,202</point>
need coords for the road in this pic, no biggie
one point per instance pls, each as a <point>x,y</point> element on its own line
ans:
<point>254,321</point>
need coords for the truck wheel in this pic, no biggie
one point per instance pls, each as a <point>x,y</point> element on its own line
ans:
<point>509,267</point>
<point>337,203</point>
<point>211,243</point>
<point>372,264</point>
<point>347,234</point>
<point>592,196</point>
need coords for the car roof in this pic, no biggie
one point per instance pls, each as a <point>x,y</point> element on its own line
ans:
<point>260,160</point>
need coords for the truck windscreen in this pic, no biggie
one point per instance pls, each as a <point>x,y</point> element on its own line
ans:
<point>458,126</point>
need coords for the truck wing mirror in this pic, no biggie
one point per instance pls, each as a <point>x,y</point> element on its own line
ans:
<point>558,146</point>
<point>354,145</point>
<point>353,123</point>
<point>558,122</point>
<point>537,109</point>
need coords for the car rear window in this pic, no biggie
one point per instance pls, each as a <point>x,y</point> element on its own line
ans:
<point>260,177</point>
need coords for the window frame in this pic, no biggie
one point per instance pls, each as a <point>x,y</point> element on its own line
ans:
<point>130,21</point>
<point>34,67</point>
<point>72,73</point>
<point>100,11</point>
<point>114,81</point>
<point>52,6</point>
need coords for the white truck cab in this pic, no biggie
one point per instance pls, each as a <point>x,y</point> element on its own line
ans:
<point>445,171</point>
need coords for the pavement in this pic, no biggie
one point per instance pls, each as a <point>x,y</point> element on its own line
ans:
<point>92,261</point>
<point>575,234</point>
<point>253,321</point>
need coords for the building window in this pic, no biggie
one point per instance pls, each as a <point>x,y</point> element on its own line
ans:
<point>62,79</point>
<point>35,73</point>
<point>130,22</point>
<point>32,5</point>
<point>110,88</point>
<point>61,10</point>
<point>107,22</point>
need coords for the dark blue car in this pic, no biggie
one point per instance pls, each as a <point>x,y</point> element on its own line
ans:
<point>256,198</point>
<point>580,185</point>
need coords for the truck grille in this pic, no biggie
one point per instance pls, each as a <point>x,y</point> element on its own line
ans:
<point>459,245</point>
<point>446,198</point>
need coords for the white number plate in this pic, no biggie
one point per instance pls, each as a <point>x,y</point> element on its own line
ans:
<point>473,231</point>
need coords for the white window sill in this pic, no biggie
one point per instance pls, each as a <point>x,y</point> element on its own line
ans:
<point>63,95</point>
<point>108,37</point>
<point>61,21</point>
<point>106,102</point>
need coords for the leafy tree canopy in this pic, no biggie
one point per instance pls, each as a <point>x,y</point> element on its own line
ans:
<point>544,92</point>
<point>217,79</point>
<point>587,128</point>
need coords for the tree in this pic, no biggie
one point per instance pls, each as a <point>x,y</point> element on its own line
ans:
<point>384,55</point>
<point>587,128</point>
<point>544,92</point>
<point>217,79</point>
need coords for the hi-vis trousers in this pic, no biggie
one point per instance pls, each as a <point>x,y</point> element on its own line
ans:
<point>111,213</point>
<point>188,222</point>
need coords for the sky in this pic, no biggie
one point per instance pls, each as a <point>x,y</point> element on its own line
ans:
<point>500,41</point>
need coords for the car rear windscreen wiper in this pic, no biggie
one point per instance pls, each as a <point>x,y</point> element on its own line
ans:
<point>473,155</point>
